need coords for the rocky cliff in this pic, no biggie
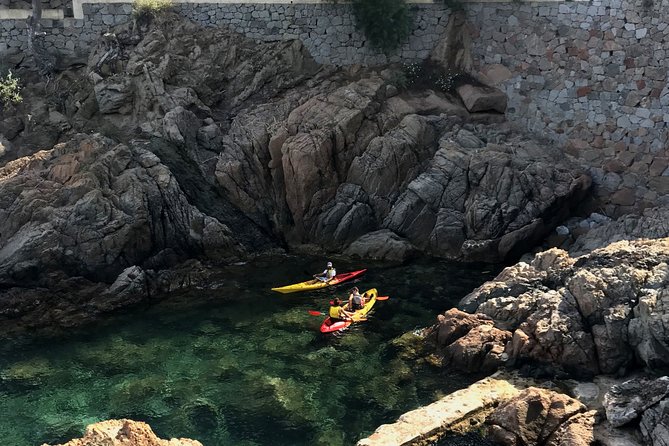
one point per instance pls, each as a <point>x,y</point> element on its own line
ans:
<point>207,145</point>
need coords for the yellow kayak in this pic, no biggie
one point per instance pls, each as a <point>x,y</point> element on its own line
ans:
<point>316,284</point>
<point>329,326</point>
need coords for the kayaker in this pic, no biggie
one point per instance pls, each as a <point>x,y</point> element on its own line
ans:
<point>355,300</point>
<point>337,312</point>
<point>327,275</point>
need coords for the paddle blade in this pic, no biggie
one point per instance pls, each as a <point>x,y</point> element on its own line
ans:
<point>315,313</point>
<point>383,298</point>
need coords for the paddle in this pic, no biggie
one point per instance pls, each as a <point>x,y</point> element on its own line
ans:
<point>320,313</point>
<point>383,298</point>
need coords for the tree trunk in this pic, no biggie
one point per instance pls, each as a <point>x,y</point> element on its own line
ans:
<point>44,61</point>
<point>34,19</point>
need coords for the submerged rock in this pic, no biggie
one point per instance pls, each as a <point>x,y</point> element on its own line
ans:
<point>124,433</point>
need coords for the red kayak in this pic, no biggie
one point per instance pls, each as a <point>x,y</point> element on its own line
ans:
<point>316,284</point>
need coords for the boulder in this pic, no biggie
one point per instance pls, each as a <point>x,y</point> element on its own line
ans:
<point>481,98</point>
<point>540,416</point>
<point>11,127</point>
<point>180,127</point>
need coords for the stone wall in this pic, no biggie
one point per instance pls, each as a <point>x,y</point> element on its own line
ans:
<point>68,36</point>
<point>327,30</point>
<point>27,4</point>
<point>592,76</point>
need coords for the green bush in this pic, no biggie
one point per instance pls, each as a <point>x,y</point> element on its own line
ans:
<point>385,23</point>
<point>10,91</point>
<point>143,8</point>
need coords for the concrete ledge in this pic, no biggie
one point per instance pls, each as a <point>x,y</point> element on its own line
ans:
<point>421,425</point>
<point>22,14</point>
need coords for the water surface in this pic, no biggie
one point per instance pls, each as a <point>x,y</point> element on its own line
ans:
<point>237,364</point>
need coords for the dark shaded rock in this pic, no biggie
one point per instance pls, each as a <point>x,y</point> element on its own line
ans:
<point>627,401</point>
<point>11,127</point>
<point>382,244</point>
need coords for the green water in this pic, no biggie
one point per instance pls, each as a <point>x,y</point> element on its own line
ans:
<point>237,364</point>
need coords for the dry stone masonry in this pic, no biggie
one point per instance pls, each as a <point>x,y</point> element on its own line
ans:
<point>592,76</point>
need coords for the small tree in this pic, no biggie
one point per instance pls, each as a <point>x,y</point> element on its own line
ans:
<point>10,91</point>
<point>386,23</point>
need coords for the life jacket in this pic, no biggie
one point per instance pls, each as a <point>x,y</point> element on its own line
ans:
<point>357,299</point>
<point>330,273</point>
<point>334,312</point>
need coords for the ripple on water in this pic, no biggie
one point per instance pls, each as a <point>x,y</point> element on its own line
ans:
<point>238,365</point>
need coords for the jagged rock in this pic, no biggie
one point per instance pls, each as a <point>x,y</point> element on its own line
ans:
<point>539,416</point>
<point>576,431</point>
<point>480,350</point>
<point>455,324</point>
<point>124,433</point>
<point>652,223</point>
<point>382,244</point>
<point>595,314</point>
<point>132,281</point>
<point>655,424</point>
<point>461,407</point>
<point>180,127</point>
<point>481,98</point>
<point>627,401</point>
<point>114,95</point>
<point>92,208</point>
<point>210,137</point>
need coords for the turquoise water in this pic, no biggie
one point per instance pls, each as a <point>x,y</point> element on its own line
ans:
<point>237,364</point>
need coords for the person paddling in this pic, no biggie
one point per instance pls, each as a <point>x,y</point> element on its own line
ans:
<point>355,300</point>
<point>327,275</point>
<point>337,311</point>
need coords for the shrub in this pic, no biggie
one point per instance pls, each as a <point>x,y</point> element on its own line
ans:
<point>428,75</point>
<point>385,23</point>
<point>10,91</point>
<point>144,8</point>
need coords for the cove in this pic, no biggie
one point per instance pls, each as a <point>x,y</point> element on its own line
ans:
<point>236,363</point>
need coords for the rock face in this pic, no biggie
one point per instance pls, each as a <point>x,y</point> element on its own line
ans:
<point>91,208</point>
<point>316,155</point>
<point>599,313</point>
<point>74,217</point>
<point>125,433</point>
